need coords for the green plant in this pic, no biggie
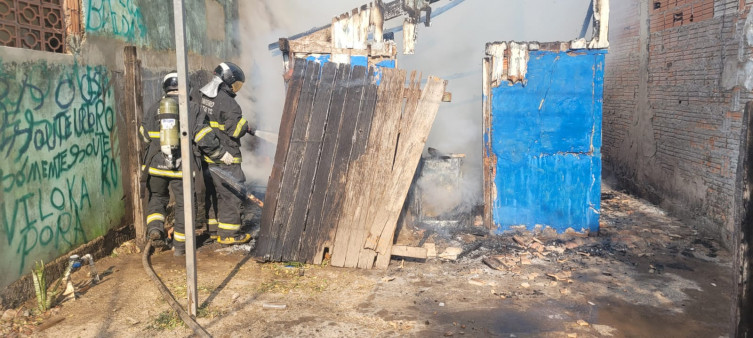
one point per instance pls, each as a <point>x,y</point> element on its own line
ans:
<point>45,298</point>
<point>166,320</point>
<point>209,312</point>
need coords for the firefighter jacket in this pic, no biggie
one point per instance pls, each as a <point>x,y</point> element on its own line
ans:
<point>225,118</point>
<point>205,141</point>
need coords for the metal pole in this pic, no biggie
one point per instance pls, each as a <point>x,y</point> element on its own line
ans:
<point>185,151</point>
<point>589,19</point>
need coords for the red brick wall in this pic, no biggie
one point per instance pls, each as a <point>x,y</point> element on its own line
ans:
<point>677,140</point>
<point>620,75</point>
<point>674,13</point>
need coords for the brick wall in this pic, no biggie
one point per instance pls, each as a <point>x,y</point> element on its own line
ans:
<point>673,105</point>
<point>620,75</point>
<point>675,13</point>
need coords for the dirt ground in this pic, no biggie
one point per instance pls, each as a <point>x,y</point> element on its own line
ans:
<point>645,275</point>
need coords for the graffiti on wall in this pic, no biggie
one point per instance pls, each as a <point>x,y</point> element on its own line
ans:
<point>121,18</point>
<point>60,174</point>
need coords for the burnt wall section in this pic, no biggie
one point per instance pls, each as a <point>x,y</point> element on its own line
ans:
<point>742,308</point>
<point>672,107</point>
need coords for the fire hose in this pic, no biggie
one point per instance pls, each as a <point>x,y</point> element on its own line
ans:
<point>190,321</point>
<point>146,261</point>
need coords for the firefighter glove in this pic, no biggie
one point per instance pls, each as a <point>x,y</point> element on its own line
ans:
<point>227,158</point>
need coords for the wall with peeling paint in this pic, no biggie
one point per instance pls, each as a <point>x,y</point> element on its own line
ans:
<point>61,178</point>
<point>211,25</point>
<point>64,181</point>
<point>546,137</point>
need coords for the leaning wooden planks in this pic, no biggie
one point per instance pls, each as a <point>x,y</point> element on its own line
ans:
<point>267,235</point>
<point>347,153</point>
<point>317,135</point>
<point>371,237</point>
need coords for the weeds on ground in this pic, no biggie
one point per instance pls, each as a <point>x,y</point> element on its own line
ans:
<point>166,320</point>
<point>169,319</point>
<point>289,277</point>
<point>178,289</point>
<point>210,312</point>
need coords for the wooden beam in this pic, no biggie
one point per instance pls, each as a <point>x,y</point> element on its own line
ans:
<point>409,251</point>
<point>325,47</point>
<point>488,161</point>
<point>133,114</point>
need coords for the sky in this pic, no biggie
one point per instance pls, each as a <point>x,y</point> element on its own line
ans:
<point>452,49</point>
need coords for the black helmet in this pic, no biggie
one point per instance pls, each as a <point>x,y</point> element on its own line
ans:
<point>170,82</point>
<point>231,74</point>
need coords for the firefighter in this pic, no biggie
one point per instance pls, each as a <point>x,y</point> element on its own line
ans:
<point>224,116</point>
<point>162,163</point>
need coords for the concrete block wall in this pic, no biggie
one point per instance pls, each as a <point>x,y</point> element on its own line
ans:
<point>65,185</point>
<point>674,97</point>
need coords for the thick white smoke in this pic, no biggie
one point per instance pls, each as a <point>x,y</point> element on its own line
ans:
<point>263,96</point>
<point>451,49</point>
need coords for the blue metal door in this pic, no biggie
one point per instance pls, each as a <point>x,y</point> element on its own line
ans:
<point>543,143</point>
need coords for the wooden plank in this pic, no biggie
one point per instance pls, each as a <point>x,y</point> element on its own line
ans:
<point>309,245</point>
<point>347,227</point>
<point>310,162</point>
<point>360,139</point>
<point>409,251</point>
<point>382,144</point>
<point>385,143</point>
<point>360,182</point>
<point>335,192</point>
<point>325,47</point>
<point>412,94</point>
<point>417,124</point>
<point>132,117</point>
<point>364,174</point>
<point>268,233</point>
<point>294,161</point>
<point>487,139</point>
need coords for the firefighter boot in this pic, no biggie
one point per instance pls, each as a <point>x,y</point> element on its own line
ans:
<point>156,237</point>
<point>179,249</point>
<point>237,239</point>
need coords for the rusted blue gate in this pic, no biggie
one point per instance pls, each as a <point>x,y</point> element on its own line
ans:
<point>542,136</point>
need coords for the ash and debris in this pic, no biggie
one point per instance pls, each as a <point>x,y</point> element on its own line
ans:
<point>636,240</point>
<point>645,274</point>
<point>629,229</point>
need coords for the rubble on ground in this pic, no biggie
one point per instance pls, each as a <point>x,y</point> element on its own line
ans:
<point>643,263</point>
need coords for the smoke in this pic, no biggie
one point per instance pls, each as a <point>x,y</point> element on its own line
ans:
<point>451,49</point>
<point>263,95</point>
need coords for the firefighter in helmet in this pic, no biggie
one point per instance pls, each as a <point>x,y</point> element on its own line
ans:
<point>162,163</point>
<point>225,117</point>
